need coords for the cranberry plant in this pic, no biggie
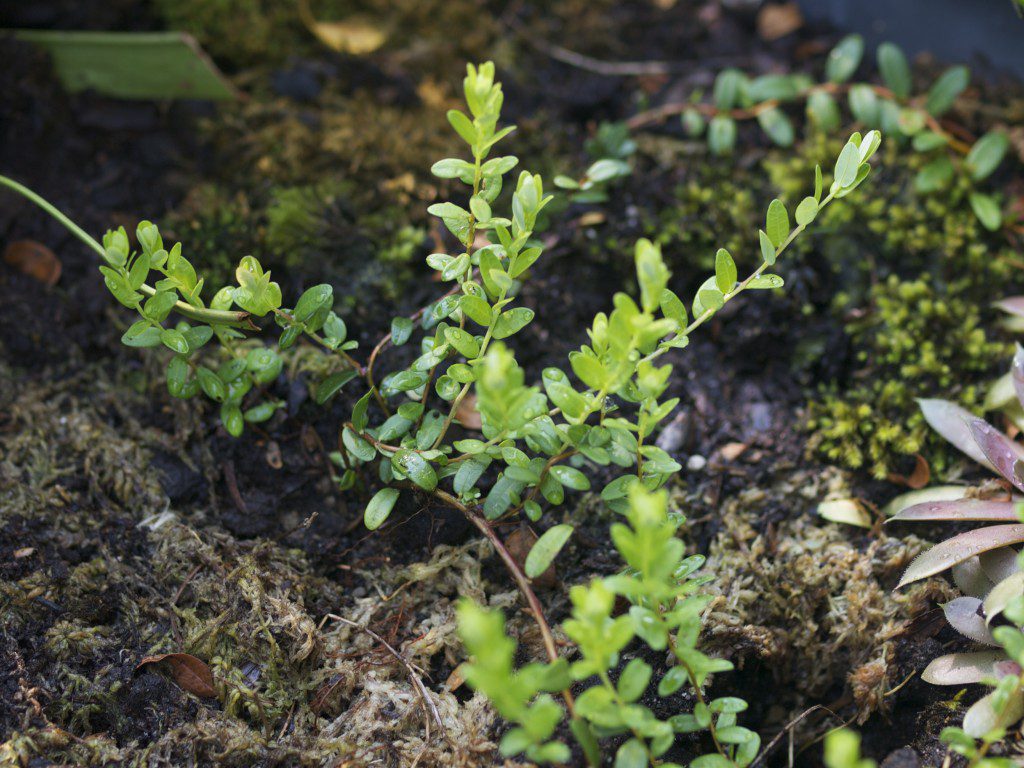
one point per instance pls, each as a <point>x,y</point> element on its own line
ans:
<point>957,163</point>
<point>984,563</point>
<point>661,587</point>
<point>534,438</point>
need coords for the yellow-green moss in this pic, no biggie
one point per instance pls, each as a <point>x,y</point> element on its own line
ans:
<point>323,232</point>
<point>916,340</point>
<point>238,32</point>
<point>889,226</point>
<point>216,229</point>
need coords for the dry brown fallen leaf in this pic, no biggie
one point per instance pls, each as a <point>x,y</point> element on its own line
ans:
<point>732,451</point>
<point>190,673</point>
<point>35,260</point>
<point>467,414</point>
<point>591,219</point>
<point>917,479</point>
<point>456,678</point>
<point>775,21</point>
<point>519,543</point>
<point>354,35</point>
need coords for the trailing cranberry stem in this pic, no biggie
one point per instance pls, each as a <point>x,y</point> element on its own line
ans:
<point>485,527</point>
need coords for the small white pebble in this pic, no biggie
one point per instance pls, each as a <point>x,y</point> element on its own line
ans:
<point>696,463</point>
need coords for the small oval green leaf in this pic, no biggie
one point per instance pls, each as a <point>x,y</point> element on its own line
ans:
<point>379,508</point>
<point>545,549</point>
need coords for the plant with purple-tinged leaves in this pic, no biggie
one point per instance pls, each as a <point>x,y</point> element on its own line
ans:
<point>1001,395</point>
<point>984,564</point>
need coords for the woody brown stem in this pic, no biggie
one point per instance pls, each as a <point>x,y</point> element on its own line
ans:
<point>484,526</point>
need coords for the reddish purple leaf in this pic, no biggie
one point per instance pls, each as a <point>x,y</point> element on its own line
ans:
<point>962,509</point>
<point>966,545</point>
<point>1013,305</point>
<point>950,421</point>
<point>1017,373</point>
<point>1000,450</point>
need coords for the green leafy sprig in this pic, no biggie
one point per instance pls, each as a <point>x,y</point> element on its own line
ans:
<point>661,587</point>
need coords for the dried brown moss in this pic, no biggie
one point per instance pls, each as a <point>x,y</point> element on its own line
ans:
<point>806,600</point>
<point>294,687</point>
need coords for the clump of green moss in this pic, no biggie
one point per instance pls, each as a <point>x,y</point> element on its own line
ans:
<point>326,231</point>
<point>711,209</point>
<point>240,32</point>
<point>356,136</point>
<point>916,340</point>
<point>920,337</point>
<point>322,230</point>
<point>217,228</point>
<point>894,228</point>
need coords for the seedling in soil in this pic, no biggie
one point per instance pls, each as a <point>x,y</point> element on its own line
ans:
<point>535,440</point>
<point>661,587</point>
<point>957,162</point>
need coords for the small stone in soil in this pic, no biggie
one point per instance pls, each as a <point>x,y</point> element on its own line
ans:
<point>902,758</point>
<point>675,435</point>
<point>759,416</point>
<point>298,83</point>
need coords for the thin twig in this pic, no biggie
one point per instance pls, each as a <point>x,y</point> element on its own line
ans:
<point>520,578</point>
<point>185,583</point>
<point>606,68</point>
<point>788,728</point>
<point>599,66</point>
<point>421,689</point>
<point>228,467</point>
<point>658,114</point>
